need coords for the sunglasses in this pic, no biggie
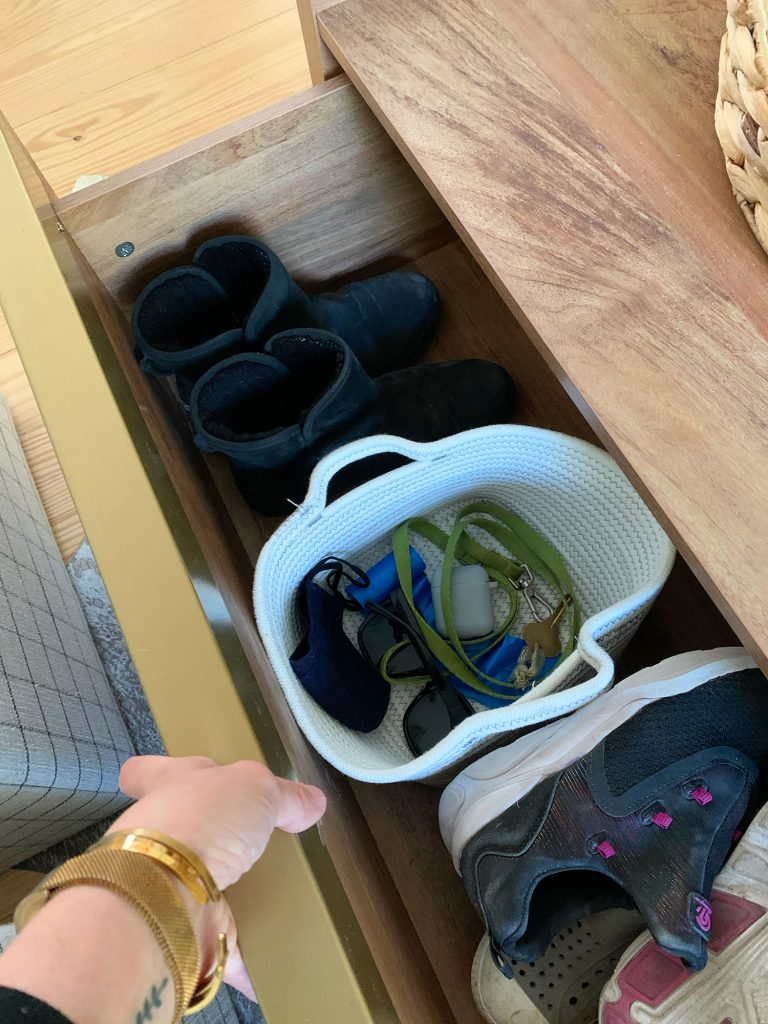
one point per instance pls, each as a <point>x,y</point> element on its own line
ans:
<point>438,709</point>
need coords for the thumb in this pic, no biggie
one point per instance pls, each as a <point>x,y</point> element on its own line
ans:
<point>298,806</point>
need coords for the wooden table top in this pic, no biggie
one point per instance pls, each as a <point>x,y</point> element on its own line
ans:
<point>572,146</point>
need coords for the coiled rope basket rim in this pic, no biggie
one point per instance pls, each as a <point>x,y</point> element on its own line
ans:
<point>741,109</point>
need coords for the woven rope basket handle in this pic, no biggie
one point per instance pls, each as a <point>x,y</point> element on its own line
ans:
<point>741,111</point>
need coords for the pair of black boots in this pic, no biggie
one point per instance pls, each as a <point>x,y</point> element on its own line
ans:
<point>274,378</point>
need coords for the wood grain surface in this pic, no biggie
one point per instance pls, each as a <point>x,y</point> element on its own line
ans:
<point>92,91</point>
<point>315,177</point>
<point>322,63</point>
<point>573,151</point>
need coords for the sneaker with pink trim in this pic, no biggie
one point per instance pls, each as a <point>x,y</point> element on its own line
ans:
<point>650,986</point>
<point>629,802</point>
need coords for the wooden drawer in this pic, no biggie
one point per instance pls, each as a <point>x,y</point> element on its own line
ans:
<point>365,918</point>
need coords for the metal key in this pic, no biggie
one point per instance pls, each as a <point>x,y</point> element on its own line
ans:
<point>545,634</point>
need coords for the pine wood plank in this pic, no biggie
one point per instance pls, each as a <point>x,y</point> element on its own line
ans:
<point>108,51</point>
<point>74,69</point>
<point>577,164</point>
<point>155,111</point>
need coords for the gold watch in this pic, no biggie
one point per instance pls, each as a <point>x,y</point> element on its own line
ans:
<point>194,876</point>
<point>135,864</point>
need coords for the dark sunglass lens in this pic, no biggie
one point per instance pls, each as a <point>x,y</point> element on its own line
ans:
<point>376,636</point>
<point>427,721</point>
<point>404,663</point>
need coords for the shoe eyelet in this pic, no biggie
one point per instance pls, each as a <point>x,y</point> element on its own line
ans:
<point>691,785</point>
<point>600,845</point>
<point>697,789</point>
<point>647,814</point>
<point>656,815</point>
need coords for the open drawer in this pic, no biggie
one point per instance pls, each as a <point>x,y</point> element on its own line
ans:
<point>365,919</point>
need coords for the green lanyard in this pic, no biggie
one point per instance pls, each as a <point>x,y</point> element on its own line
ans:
<point>513,535</point>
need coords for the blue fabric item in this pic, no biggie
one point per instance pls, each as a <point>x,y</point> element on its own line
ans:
<point>383,580</point>
<point>331,669</point>
<point>501,663</point>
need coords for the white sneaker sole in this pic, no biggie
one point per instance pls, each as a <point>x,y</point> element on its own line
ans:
<point>649,986</point>
<point>564,984</point>
<point>499,779</point>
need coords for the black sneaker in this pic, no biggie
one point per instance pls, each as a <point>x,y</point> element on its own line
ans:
<point>631,801</point>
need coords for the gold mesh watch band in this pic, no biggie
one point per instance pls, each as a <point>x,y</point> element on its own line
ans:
<point>193,874</point>
<point>147,887</point>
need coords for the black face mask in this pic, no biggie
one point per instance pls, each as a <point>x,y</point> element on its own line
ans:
<point>438,709</point>
<point>327,664</point>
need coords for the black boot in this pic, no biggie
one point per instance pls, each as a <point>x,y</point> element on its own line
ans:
<point>275,414</point>
<point>238,294</point>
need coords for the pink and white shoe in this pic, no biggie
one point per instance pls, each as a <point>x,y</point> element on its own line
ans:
<point>649,986</point>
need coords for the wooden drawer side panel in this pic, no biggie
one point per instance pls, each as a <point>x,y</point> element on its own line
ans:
<point>316,178</point>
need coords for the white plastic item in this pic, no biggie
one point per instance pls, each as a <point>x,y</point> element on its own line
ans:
<point>573,493</point>
<point>471,601</point>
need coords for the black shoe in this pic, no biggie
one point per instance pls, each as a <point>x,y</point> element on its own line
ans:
<point>238,294</point>
<point>545,833</point>
<point>275,414</point>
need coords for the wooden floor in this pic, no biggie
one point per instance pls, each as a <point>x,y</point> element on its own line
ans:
<point>92,89</point>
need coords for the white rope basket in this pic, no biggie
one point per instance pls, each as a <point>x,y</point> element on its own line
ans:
<point>573,493</point>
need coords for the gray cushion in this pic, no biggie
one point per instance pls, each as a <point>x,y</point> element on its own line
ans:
<point>62,739</point>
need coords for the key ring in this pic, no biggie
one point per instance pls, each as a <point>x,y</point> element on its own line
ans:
<point>524,582</point>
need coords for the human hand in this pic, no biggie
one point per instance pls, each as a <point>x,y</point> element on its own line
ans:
<point>225,814</point>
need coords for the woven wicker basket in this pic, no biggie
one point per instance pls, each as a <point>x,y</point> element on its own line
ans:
<point>741,112</point>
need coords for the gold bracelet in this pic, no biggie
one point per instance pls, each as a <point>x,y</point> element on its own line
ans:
<point>147,887</point>
<point>179,859</point>
<point>193,874</point>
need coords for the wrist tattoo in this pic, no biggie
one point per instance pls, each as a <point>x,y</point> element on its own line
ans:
<point>152,1002</point>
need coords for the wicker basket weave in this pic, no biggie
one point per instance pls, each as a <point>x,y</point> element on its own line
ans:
<point>741,112</point>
